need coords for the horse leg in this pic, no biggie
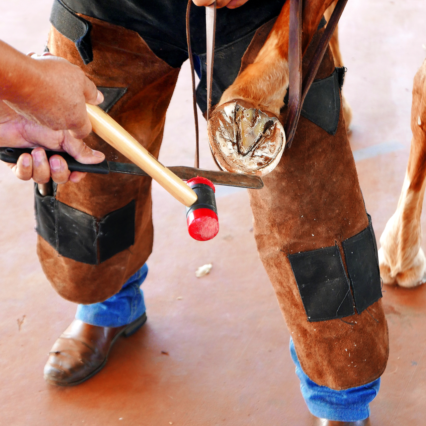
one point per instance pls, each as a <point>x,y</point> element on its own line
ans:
<point>264,83</point>
<point>244,129</point>
<point>401,258</point>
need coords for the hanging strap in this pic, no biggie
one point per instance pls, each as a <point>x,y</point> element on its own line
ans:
<point>210,38</point>
<point>194,97</point>
<point>297,95</point>
<point>210,45</point>
<point>295,69</point>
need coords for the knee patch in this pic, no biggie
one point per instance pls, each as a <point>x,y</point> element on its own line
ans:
<point>326,290</point>
<point>80,236</point>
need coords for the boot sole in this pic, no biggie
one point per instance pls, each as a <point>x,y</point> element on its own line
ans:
<point>130,329</point>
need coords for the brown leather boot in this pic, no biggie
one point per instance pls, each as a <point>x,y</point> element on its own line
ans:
<point>82,351</point>
<point>325,422</point>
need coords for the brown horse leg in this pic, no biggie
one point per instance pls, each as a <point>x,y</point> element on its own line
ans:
<point>244,130</point>
<point>401,258</point>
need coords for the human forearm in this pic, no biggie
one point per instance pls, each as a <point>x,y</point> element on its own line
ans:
<point>43,103</point>
<point>47,89</point>
<point>18,73</point>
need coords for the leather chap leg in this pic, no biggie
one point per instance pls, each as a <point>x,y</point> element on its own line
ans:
<point>308,221</point>
<point>138,87</point>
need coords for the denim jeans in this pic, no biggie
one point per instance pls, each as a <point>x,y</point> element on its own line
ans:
<point>128,305</point>
<point>348,405</point>
<point>120,309</point>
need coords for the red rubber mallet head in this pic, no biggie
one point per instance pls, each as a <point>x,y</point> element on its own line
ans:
<point>201,217</point>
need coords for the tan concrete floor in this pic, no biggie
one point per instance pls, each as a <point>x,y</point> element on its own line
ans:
<point>228,361</point>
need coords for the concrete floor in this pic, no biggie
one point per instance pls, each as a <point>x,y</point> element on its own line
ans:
<point>227,360</point>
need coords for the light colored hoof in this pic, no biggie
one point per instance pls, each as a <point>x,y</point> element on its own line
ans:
<point>244,139</point>
<point>409,277</point>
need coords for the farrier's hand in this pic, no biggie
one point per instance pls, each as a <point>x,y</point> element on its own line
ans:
<point>20,132</point>
<point>48,90</point>
<point>231,4</point>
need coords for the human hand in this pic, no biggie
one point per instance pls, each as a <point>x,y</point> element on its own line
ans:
<point>17,131</point>
<point>230,4</point>
<point>54,93</point>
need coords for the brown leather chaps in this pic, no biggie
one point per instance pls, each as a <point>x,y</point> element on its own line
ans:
<point>311,201</point>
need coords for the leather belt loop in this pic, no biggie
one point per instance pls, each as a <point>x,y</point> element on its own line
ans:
<point>295,110</point>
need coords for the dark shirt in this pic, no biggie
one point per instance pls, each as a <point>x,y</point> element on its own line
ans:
<point>161,23</point>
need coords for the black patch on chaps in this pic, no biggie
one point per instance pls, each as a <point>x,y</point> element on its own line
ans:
<point>323,285</point>
<point>111,96</point>
<point>341,73</point>
<point>80,236</point>
<point>117,231</point>
<point>363,267</point>
<point>76,234</point>
<point>322,103</point>
<point>74,28</point>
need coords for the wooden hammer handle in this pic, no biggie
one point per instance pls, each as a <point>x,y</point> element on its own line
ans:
<point>112,133</point>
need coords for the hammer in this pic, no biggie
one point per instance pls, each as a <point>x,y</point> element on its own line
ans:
<point>198,195</point>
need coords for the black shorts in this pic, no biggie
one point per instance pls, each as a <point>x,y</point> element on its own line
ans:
<point>161,23</point>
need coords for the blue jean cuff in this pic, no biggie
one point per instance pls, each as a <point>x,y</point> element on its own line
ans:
<point>338,414</point>
<point>349,405</point>
<point>121,309</point>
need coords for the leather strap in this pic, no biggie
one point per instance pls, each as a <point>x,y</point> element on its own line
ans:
<point>220,178</point>
<point>210,38</point>
<point>210,45</point>
<point>194,97</point>
<point>296,67</point>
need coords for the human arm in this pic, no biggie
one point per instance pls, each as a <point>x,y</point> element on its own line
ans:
<point>48,90</point>
<point>40,99</point>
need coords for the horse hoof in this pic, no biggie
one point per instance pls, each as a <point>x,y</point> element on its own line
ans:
<point>244,139</point>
